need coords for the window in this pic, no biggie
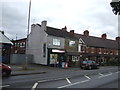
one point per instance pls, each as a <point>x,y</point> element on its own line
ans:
<point>79,47</point>
<point>116,52</point>
<point>75,58</point>
<point>105,51</point>
<point>92,49</point>
<point>71,43</point>
<point>99,51</point>
<point>56,42</point>
<point>44,50</point>
<point>111,52</point>
<point>87,49</point>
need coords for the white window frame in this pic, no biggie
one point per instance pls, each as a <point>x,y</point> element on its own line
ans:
<point>93,50</point>
<point>71,43</point>
<point>56,42</point>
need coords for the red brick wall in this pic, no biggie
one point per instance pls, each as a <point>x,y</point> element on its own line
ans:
<point>89,50</point>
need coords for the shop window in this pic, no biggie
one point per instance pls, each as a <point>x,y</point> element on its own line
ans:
<point>56,42</point>
<point>71,43</point>
<point>75,58</point>
<point>53,59</point>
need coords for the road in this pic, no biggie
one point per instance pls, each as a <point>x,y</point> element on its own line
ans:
<point>105,77</point>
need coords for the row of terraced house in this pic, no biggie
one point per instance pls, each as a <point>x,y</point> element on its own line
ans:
<point>52,46</point>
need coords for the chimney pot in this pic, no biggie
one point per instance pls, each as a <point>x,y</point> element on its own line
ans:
<point>117,38</point>
<point>104,36</point>
<point>86,33</point>
<point>72,32</point>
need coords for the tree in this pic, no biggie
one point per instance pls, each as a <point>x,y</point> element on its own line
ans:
<point>115,4</point>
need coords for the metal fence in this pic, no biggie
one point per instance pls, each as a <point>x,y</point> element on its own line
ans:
<point>21,58</point>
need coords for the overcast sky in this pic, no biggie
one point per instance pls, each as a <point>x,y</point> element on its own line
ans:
<point>79,15</point>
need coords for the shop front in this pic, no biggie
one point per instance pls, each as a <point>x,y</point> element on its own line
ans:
<point>56,57</point>
<point>73,59</point>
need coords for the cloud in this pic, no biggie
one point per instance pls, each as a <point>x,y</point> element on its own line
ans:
<point>14,20</point>
<point>78,15</point>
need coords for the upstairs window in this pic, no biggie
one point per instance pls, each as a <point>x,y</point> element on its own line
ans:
<point>71,43</point>
<point>92,50</point>
<point>116,52</point>
<point>56,42</point>
<point>100,51</point>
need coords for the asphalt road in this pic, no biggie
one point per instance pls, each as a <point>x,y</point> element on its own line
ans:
<point>105,77</point>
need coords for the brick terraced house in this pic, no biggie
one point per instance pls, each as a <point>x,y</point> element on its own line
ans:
<point>52,46</point>
<point>19,46</point>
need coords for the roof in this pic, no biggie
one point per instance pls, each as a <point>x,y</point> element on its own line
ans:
<point>89,40</point>
<point>58,32</point>
<point>19,39</point>
<point>98,42</point>
<point>4,39</point>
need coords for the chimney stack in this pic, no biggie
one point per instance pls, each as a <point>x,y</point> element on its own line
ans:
<point>86,33</point>
<point>43,24</point>
<point>104,36</point>
<point>117,38</point>
<point>72,32</point>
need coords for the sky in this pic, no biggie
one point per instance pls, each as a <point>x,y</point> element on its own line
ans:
<point>79,15</point>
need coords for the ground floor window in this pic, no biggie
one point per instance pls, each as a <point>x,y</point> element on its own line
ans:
<point>53,58</point>
<point>73,61</point>
<point>75,58</point>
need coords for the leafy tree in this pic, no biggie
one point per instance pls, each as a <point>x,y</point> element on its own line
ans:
<point>115,4</point>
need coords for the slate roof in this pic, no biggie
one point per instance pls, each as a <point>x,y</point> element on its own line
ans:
<point>59,33</point>
<point>89,40</point>
<point>98,42</point>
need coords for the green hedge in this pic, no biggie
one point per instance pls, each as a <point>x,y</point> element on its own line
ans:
<point>113,62</point>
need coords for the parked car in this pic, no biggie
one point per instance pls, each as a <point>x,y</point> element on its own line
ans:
<point>89,64</point>
<point>5,69</point>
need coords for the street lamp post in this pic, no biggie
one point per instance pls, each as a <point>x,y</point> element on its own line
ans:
<point>26,57</point>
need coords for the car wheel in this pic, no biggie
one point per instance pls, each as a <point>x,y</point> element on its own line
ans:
<point>90,67</point>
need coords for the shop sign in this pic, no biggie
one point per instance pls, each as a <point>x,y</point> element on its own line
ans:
<point>59,51</point>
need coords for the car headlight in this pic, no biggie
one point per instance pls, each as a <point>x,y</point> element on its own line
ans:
<point>9,67</point>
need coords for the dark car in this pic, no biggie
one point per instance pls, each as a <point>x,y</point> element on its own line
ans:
<point>6,70</point>
<point>89,64</point>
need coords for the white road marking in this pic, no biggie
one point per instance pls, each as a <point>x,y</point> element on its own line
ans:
<point>87,77</point>
<point>5,86</point>
<point>73,84</point>
<point>50,80</point>
<point>105,75</point>
<point>68,81</point>
<point>34,86</point>
<point>101,74</point>
<point>43,81</point>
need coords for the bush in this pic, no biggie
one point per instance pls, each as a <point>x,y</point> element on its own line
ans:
<point>113,62</point>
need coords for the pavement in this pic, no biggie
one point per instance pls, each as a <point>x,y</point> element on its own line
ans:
<point>39,69</point>
<point>36,69</point>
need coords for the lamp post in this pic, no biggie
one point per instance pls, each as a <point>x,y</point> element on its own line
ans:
<point>26,57</point>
